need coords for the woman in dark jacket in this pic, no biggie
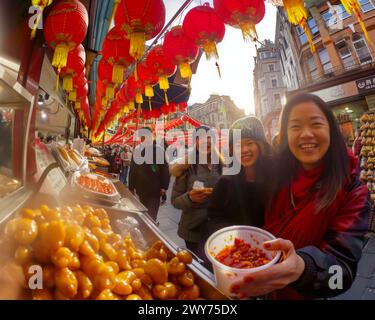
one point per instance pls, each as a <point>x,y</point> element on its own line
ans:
<point>193,169</point>
<point>319,213</point>
<point>240,199</point>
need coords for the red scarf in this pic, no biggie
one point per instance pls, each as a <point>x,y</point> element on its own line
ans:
<point>301,224</point>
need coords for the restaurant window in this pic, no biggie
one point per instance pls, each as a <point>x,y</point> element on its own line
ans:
<point>362,51</point>
<point>312,67</point>
<point>325,60</point>
<point>366,5</point>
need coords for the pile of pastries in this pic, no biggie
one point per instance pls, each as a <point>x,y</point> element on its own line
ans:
<point>83,258</point>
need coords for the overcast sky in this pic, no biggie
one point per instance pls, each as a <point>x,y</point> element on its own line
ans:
<point>236,61</point>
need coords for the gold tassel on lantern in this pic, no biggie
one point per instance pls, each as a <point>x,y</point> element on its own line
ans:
<point>118,74</point>
<point>166,98</point>
<point>297,14</point>
<point>210,49</point>
<point>352,6</point>
<point>42,4</point>
<point>68,83</point>
<point>185,70</point>
<point>131,106</point>
<point>110,92</point>
<point>60,56</point>
<point>73,95</point>
<point>149,91</point>
<point>163,83</point>
<point>249,31</point>
<point>137,45</point>
<point>139,98</point>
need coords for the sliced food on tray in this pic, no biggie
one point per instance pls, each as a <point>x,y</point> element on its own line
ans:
<point>96,183</point>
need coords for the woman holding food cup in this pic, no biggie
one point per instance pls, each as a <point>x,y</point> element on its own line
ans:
<point>319,213</point>
<point>195,176</point>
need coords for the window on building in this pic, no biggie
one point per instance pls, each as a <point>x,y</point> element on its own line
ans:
<point>361,49</point>
<point>301,35</point>
<point>366,5</point>
<point>312,67</point>
<point>346,57</point>
<point>271,67</point>
<point>264,106</point>
<point>325,60</point>
<point>274,83</point>
<point>313,27</point>
<point>262,86</point>
<point>277,99</point>
<point>341,12</point>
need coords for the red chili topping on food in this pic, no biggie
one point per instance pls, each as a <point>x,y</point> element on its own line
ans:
<point>95,185</point>
<point>241,255</point>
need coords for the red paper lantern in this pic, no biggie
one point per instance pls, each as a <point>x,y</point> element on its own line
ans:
<point>78,82</point>
<point>116,52</point>
<point>181,50</point>
<point>74,67</point>
<point>205,28</point>
<point>134,88</point>
<point>65,28</point>
<point>161,65</point>
<point>105,75</point>
<point>148,79</point>
<point>243,14</point>
<point>182,106</point>
<point>140,20</point>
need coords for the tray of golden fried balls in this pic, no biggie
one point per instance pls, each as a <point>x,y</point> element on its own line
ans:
<point>90,253</point>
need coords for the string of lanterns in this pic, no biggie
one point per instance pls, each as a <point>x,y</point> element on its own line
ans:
<point>124,47</point>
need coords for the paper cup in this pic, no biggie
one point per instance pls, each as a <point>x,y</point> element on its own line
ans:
<point>226,276</point>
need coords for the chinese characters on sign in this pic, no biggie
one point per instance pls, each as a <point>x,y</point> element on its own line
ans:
<point>366,84</point>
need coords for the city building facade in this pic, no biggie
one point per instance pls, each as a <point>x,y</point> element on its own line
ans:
<point>218,112</point>
<point>269,87</point>
<point>342,69</point>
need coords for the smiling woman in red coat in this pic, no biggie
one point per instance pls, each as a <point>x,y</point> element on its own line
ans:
<point>319,213</point>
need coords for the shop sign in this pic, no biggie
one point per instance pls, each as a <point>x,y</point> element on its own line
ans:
<point>366,84</point>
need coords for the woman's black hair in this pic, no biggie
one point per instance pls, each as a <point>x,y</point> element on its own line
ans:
<point>336,160</point>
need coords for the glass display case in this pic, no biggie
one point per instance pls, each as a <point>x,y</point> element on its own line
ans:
<point>15,117</point>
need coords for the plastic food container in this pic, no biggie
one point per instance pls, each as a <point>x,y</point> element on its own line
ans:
<point>226,276</point>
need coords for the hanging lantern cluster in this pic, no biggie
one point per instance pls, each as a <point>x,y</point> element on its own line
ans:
<point>180,50</point>
<point>74,67</point>
<point>242,14</point>
<point>65,29</point>
<point>203,25</point>
<point>139,21</point>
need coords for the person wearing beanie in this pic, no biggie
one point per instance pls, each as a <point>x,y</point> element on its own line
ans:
<point>241,199</point>
<point>195,179</point>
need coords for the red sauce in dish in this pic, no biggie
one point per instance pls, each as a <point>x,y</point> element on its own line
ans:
<point>95,185</point>
<point>242,256</point>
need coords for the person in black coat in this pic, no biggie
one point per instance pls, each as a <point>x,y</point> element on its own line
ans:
<point>149,180</point>
<point>241,199</point>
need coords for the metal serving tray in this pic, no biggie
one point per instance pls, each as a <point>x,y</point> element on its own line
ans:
<point>150,232</point>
